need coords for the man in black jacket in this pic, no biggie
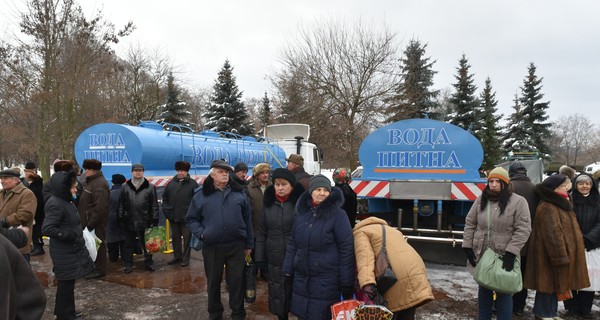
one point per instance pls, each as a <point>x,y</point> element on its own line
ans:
<point>138,210</point>
<point>522,186</point>
<point>176,200</point>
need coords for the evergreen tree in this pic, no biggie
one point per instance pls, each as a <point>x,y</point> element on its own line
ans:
<point>490,130</point>
<point>518,135</point>
<point>265,111</point>
<point>413,96</point>
<point>174,111</point>
<point>225,110</point>
<point>534,111</point>
<point>467,112</point>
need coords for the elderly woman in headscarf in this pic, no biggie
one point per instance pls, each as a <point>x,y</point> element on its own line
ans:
<point>586,204</point>
<point>510,225</point>
<point>556,259</point>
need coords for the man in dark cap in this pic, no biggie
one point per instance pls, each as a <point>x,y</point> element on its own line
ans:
<point>93,210</point>
<point>220,216</point>
<point>36,185</point>
<point>176,200</point>
<point>295,163</point>
<point>522,186</point>
<point>17,205</point>
<point>138,209</point>
<point>115,235</point>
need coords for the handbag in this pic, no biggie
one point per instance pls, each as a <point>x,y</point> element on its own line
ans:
<point>249,280</point>
<point>385,276</point>
<point>489,273</point>
<point>592,259</point>
<point>373,312</point>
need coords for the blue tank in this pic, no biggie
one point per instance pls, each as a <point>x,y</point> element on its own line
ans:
<point>118,146</point>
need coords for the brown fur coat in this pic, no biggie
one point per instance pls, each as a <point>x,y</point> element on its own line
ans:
<point>556,259</point>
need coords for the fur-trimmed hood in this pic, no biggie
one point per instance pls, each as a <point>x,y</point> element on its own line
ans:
<point>330,206</point>
<point>269,196</point>
<point>208,186</point>
<point>550,196</point>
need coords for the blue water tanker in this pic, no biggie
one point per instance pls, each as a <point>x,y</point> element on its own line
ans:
<point>118,146</point>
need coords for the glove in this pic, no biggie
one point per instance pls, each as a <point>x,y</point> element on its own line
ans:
<point>370,290</point>
<point>3,223</point>
<point>260,265</point>
<point>471,256</point>
<point>508,261</point>
<point>90,229</point>
<point>154,223</point>
<point>347,292</point>
<point>588,244</point>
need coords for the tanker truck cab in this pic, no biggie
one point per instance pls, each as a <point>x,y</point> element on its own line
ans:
<point>422,176</point>
<point>293,138</point>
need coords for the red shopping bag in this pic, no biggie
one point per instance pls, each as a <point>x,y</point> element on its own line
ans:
<point>344,310</point>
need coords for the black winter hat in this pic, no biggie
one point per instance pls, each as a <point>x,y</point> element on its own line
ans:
<point>554,181</point>
<point>283,173</point>
<point>240,166</point>
<point>515,168</point>
<point>30,165</point>
<point>118,179</point>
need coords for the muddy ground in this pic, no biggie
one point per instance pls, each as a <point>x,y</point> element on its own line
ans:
<point>174,292</point>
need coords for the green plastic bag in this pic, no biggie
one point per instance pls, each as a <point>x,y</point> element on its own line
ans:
<point>156,240</point>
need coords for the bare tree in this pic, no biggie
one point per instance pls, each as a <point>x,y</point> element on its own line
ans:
<point>342,75</point>
<point>144,81</point>
<point>572,140</point>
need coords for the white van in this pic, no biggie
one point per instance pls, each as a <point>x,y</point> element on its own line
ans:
<point>590,169</point>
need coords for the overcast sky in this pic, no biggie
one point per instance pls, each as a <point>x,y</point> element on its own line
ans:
<point>499,38</point>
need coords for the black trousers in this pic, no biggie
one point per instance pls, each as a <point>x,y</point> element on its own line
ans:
<point>520,298</point>
<point>64,307</point>
<point>180,230</point>
<point>36,234</point>
<point>133,239</point>
<point>115,249</point>
<point>216,258</point>
<point>581,303</point>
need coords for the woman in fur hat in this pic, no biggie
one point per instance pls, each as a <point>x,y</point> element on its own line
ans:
<point>556,259</point>
<point>510,225</point>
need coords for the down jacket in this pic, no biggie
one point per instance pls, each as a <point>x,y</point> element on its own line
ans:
<point>272,237</point>
<point>319,256</point>
<point>70,258</point>
<point>412,288</point>
<point>220,217</point>
<point>556,259</point>
<point>509,231</point>
<point>138,208</point>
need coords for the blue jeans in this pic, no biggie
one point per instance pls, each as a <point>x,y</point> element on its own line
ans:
<point>486,301</point>
<point>545,305</point>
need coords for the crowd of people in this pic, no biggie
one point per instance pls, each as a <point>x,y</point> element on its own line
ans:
<point>548,227</point>
<point>300,231</point>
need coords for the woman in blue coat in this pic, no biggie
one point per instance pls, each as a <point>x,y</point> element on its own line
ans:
<point>69,255</point>
<point>320,254</point>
